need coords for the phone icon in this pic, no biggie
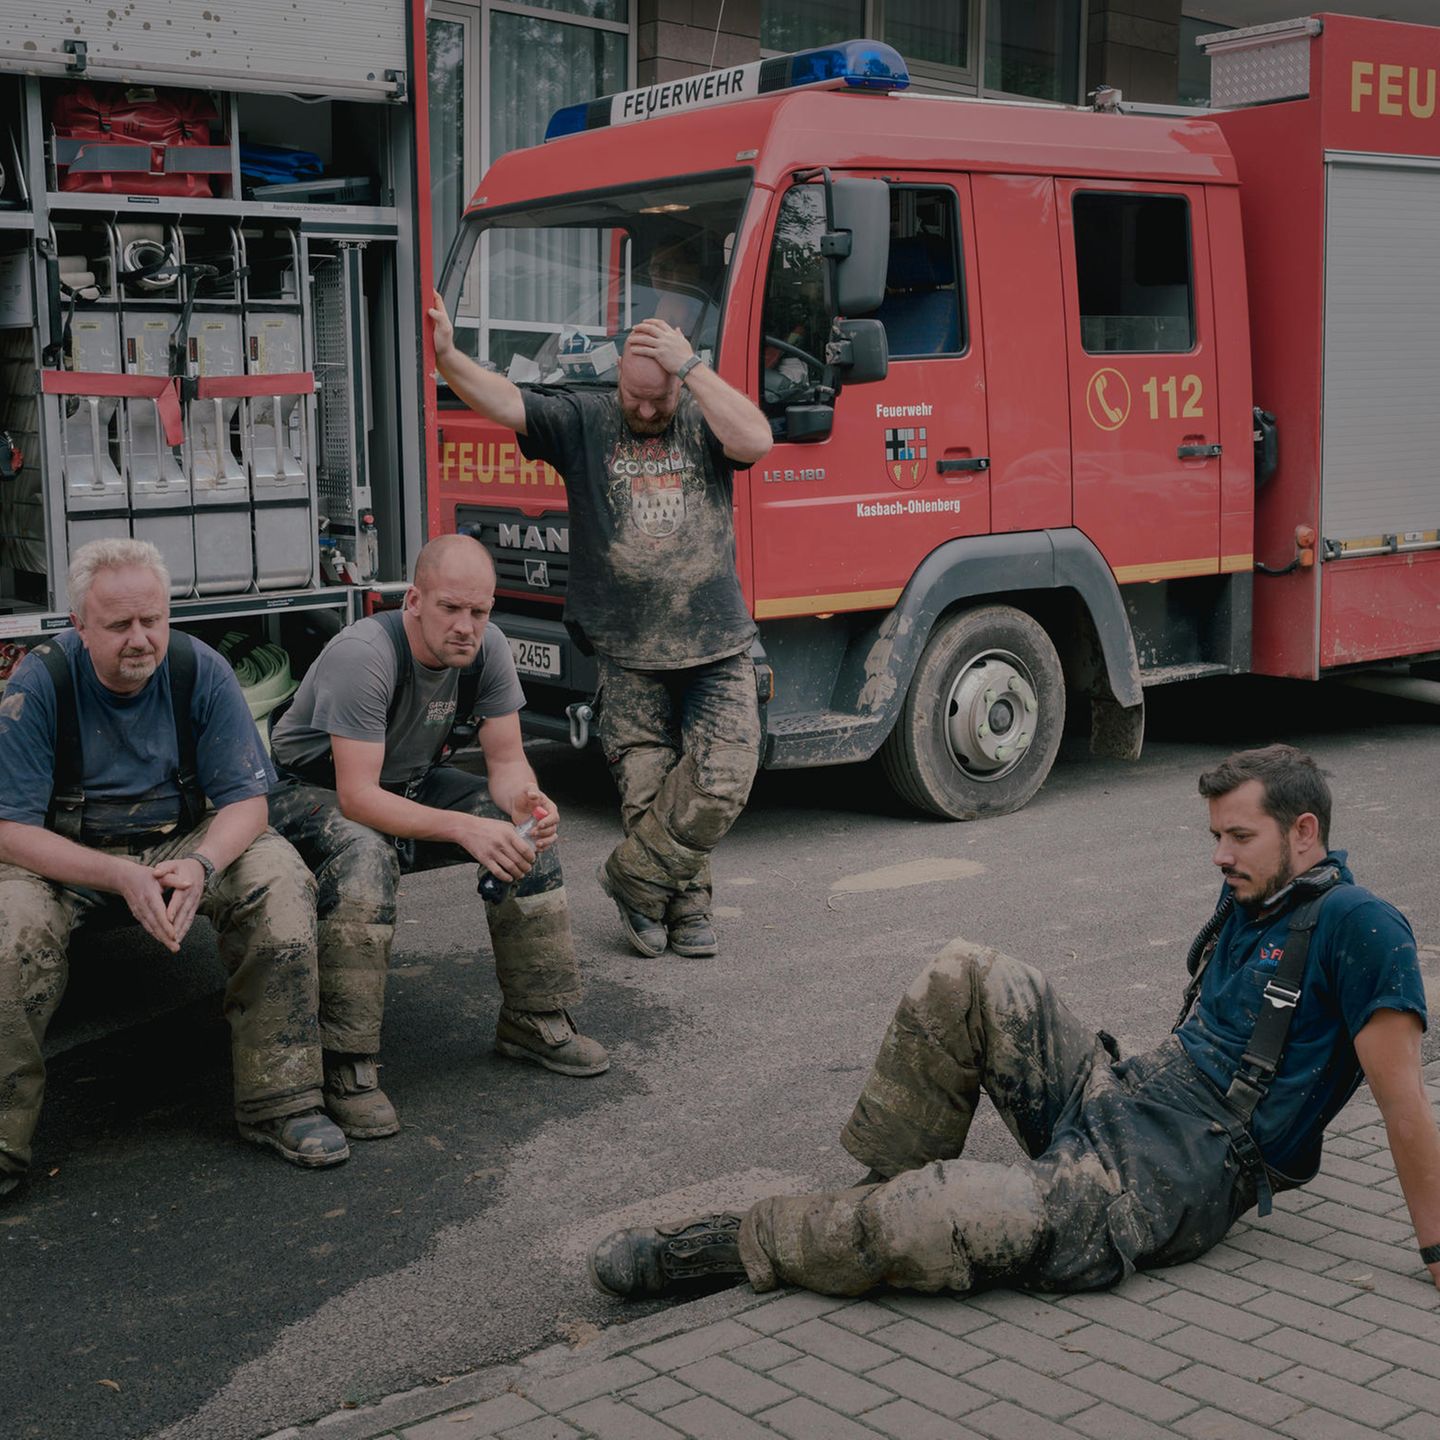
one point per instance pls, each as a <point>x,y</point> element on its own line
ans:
<point>1108,399</point>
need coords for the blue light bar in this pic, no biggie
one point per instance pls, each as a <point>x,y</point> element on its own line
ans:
<point>853,64</point>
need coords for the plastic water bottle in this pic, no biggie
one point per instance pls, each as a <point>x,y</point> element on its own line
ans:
<point>489,886</point>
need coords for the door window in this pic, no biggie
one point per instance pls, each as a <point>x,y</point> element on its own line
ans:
<point>1134,273</point>
<point>796,322</point>
<point>922,311</point>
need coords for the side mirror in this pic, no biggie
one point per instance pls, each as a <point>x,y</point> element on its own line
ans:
<point>809,422</point>
<point>860,244</point>
<point>860,350</point>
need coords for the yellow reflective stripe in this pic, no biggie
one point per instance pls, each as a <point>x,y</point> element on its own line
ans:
<point>1169,570</point>
<point>821,604</point>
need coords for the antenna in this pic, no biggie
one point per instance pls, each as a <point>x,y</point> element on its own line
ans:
<point>715,43</point>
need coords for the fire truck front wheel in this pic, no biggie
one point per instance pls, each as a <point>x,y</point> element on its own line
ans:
<point>982,720</point>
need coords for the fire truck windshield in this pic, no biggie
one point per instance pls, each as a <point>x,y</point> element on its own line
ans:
<point>548,293</point>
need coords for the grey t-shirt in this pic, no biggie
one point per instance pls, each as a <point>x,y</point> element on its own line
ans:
<point>347,692</point>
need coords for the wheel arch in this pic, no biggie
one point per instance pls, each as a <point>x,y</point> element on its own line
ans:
<point>1032,571</point>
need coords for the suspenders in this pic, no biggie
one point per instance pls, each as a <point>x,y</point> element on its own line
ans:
<point>67,800</point>
<point>1261,1061</point>
<point>321,770</point>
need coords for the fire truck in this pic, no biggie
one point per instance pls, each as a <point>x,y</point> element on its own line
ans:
<point>1066,404</point>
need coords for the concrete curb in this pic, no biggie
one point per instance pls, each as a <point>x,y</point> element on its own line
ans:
<point>425,1402</point>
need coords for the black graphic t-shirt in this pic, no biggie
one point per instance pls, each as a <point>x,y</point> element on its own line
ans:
<point>652,534</point>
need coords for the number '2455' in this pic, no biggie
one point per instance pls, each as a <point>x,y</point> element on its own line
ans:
<point>1171,388</point>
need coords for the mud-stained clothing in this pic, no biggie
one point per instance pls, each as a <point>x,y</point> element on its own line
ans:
<point>358,872</point>
<point>652,582</point>
<point>263,909</point>
<point>131,756</point>
<point>1130,1163</point>
<point>683,746</point>
<point>262,905</point>
<point>1362,959</point>
<point>349,689</point>
<point>654,592</point>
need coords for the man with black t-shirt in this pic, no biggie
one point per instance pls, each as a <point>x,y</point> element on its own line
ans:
<point>654,594</point>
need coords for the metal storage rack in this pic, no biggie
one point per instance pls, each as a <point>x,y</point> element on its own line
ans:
<point>289,427</point>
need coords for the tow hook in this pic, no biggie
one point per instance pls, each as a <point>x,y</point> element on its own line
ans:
<point>580,714</point>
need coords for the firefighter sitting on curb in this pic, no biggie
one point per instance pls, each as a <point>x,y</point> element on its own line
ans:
<point>366,799</point>
<point>654,592</point>
<point>1132,1163</point>
<point>112,737</point>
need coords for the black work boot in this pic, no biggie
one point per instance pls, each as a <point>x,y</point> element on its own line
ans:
<point>693,936</point>
<point>354,1098</point>
<point>311,1139</point>
<point>699,1253</point>
<point>647,936</point>
<point>10,1183</point>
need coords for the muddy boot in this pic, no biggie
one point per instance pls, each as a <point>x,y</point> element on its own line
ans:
<point>693,936</point>
<point>549,1038</point>
<point>700,1253</point>
<point>311,1139</point>
<point>647,936</point>
<point>354,1098</point>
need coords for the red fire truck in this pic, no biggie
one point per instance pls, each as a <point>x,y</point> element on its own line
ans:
<point>1066,404</point>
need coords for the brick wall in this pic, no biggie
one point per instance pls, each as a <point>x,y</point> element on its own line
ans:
<point>676,37</point>
<point>1134,45</point>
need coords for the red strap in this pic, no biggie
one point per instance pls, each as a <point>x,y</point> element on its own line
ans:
<point>167,406</point>
<point>160,388</point>
<point>231,387</point>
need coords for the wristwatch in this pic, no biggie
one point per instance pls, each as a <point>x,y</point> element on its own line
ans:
<point>687,367</point>
<point>206,864</point>
<point>1430,1253</point>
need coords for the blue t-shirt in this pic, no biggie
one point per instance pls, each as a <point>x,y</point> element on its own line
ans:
<point>132,759</point>
<point>1362,959</point>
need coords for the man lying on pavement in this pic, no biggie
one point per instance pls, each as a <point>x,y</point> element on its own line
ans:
<point>1302,983</point>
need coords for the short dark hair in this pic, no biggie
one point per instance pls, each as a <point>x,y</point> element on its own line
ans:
<point>1292,783</point>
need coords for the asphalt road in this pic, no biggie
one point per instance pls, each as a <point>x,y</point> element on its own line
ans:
<point>161,1279</point>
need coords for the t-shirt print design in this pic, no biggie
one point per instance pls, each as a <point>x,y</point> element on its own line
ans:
<point>650,475</point>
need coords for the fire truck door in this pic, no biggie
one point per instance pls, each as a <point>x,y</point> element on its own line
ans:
<point>1144,403</point>
<point>842,524</point>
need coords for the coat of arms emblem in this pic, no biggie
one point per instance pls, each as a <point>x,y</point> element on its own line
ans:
<point>657,503</point>
<point>905,457</point>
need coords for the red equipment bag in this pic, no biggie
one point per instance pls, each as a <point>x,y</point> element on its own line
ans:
<point>136,141</point>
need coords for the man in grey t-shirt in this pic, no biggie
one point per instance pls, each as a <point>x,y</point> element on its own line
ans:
<point>367,799</point>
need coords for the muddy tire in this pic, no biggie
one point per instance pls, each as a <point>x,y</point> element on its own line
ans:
<point>982,719</point>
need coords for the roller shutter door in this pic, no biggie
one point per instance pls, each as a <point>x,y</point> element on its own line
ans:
<point>343,48</point>
<point>1381,421</point>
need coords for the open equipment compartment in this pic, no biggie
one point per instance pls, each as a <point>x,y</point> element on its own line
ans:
<point>210,308</point>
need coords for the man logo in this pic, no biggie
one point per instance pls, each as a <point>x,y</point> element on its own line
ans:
<point>537,574</point>
<point>905,456</point>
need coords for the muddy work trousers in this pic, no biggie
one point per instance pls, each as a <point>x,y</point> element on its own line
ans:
<point>683,746</point>
<point>263,909</point>
<point>1129,1163</point>
<point>358,871</point>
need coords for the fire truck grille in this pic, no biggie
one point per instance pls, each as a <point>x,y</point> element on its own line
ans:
<point>532,552</point>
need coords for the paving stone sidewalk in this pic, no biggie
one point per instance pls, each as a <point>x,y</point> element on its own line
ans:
<point>1318,1323</point>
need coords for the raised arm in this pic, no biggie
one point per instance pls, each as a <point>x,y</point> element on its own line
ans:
<point>1388,1048</point>
<point>487,392</point>
<point>739,425</point>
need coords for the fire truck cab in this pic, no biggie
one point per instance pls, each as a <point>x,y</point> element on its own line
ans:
<point>1006,352</point>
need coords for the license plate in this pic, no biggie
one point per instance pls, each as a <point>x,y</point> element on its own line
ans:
<point>534,657</point>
